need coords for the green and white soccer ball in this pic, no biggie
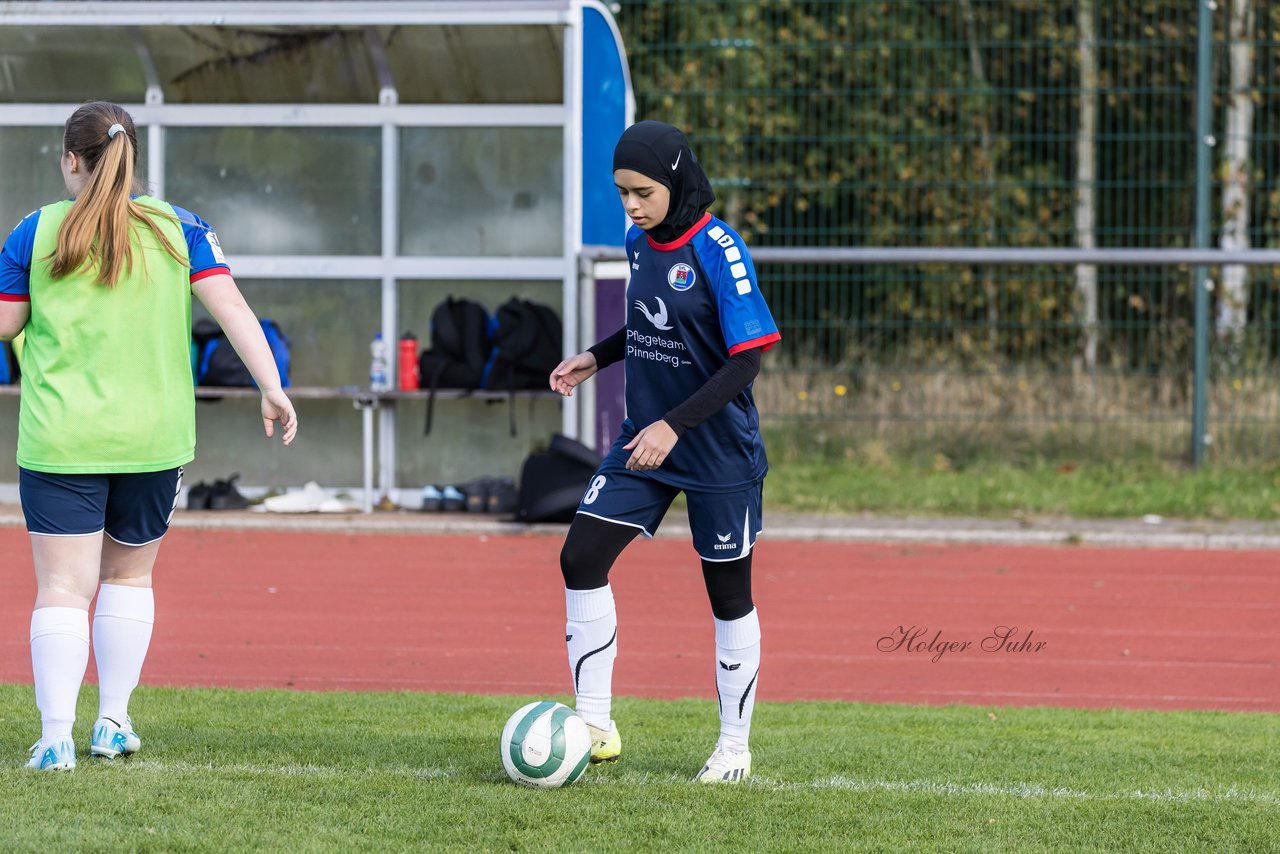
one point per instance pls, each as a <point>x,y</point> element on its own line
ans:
<point>545,745</point>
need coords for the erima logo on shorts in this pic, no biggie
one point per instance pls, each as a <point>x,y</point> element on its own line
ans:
<point>681,277</point>
<point>724,544</point>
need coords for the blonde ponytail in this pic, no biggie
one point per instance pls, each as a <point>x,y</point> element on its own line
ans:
<point>97,233</point>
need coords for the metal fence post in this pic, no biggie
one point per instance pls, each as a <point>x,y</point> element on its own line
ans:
<point>1204,146</point>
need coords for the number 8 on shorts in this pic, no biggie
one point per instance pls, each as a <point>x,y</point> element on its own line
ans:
<point>593,491</point>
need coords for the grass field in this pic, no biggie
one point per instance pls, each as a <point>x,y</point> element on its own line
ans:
<point>226,770</point>
<point>990,488</point>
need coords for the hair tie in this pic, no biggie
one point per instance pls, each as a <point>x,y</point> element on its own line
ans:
<point>113,130</point>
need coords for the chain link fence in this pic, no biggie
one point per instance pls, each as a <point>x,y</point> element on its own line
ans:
<point>990,123</point>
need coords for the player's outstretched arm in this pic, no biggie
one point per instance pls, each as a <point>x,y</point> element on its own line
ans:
<point>578,369</point>
<point>224,301</point>
<point>572,372</point>
<point>276,406</point>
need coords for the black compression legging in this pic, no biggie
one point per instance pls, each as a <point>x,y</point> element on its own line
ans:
<point>594,544</point>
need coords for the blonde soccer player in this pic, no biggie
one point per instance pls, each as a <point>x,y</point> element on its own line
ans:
<point>101,285</point>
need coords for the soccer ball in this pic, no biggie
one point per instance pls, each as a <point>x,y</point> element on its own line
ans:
<point>545,745</point>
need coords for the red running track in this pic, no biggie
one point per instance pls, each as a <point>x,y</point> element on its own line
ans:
<point>1128,628</point>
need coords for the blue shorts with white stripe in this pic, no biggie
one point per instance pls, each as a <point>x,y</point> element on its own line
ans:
<point>724,524</point>
<point>133,509</point>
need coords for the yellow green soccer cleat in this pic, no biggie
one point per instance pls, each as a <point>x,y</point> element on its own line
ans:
<point>729,764</point>
<point>606,744</point>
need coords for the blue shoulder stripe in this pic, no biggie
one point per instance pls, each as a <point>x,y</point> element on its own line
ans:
<point>15,257</point>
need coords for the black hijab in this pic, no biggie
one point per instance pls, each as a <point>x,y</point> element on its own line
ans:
<point>661,152</point>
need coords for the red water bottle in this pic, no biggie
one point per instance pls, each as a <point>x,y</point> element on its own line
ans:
<point>408,369</point>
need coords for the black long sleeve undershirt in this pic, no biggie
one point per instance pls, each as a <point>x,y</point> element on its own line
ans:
<point>610,350</point>
<point>723,386</point>
<point>720,388</point>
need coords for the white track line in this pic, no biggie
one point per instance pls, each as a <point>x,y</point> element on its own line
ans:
<point>1229,794</point>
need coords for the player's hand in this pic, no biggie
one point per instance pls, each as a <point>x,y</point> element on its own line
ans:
<point>276,406</point>
<point>651,446</point>
<point>572,372</point>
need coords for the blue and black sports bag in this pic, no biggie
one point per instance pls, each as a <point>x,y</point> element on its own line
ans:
<point>220,365</point>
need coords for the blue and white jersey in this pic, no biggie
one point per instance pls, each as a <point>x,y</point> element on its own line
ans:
<point>691,304</point>
<point>15,258</point>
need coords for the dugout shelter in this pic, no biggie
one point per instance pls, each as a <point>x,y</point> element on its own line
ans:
<point>360,162</point>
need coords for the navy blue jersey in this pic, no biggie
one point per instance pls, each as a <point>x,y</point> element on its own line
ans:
<point>691,304</point>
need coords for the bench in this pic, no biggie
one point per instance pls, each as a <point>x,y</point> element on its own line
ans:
<point>363,399</point>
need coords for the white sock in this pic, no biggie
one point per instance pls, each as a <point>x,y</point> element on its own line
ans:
<point>121,636</point>
<point>737,666</point>
<point>59,656</point>
<point>591,633</point>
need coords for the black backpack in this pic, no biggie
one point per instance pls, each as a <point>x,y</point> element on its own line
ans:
<point>527,337</point>
<point>220,365</point>
<point>460,346</point>
<point>553,481</point>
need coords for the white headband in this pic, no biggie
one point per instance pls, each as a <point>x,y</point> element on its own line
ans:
<point>113,130</point>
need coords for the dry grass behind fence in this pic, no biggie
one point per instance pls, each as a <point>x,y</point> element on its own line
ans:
<point>1016,414</point>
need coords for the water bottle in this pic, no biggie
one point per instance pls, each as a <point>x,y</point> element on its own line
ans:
<point>407,367</point>
<point>378,365</point>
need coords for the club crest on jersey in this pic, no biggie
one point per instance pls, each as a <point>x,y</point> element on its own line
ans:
<point>680,277</point>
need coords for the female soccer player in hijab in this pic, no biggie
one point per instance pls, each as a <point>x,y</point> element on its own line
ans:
<point>696,328</point>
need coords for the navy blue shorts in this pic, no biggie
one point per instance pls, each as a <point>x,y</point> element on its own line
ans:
<point>724,524</point>
<point>133,509</point>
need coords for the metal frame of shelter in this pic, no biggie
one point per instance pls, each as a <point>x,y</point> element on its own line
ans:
<point>596,105</point>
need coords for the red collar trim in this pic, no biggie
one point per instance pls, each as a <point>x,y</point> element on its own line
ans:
<point>682,239</point>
